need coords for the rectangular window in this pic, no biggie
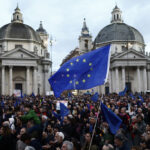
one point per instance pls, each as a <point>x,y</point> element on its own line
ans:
<point>16,46</point>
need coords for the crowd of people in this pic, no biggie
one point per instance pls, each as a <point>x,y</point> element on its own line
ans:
<point>29,123</point>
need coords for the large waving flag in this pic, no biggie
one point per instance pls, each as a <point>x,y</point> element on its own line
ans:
<point>111,118</point>
<point>122,93</point>
<point>82,72</point>
<point>95,97</point>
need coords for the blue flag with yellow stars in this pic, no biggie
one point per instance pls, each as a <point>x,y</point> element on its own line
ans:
<point>95,97</point>
<point>82,72</point>
<point>111,118</point>
<point>122,93</point>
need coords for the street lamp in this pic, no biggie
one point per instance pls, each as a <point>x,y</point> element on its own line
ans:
<point>52,42</point>
<point>128,46</point>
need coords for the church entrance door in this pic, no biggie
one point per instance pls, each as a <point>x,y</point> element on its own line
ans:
<point>18,86</point>
<point>128,85</point>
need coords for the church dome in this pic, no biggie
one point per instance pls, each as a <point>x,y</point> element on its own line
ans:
<point>118,31</point>
<point>17,31</point>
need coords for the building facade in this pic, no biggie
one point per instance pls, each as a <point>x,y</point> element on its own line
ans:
<point>129,64</point>
<point>24,58</point>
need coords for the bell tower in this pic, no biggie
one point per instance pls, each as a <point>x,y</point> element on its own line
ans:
<point>116,15</point>
<point>85,39</point>
<point>17,16</point>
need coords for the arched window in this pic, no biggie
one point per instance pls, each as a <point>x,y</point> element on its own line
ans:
<point>117,16</point>
<point>86,44</point>
<point>17,17</point>
<point>114,17</point>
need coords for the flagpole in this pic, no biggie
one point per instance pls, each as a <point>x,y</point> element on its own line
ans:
<point>95,124</point>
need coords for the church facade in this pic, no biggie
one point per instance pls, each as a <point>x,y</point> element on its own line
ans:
<point>129,64</point>
<point>24,58</point>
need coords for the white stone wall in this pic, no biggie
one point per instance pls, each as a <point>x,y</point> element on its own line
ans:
<point>9,45</point>
<point>40,79</point>
<point>82,43</point>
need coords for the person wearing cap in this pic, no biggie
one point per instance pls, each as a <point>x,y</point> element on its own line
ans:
<point>121,142</point>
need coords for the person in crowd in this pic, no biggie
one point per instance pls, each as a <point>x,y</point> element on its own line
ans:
<point>87,143</point>
<point>8,140</point>
<point>138,129</point>
<point>67,145</point>
<point>30,123</point>
<point>121,142</point>
<point>30,114</point>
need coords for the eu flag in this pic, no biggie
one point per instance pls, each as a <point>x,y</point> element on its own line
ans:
<point>82,72</point>
<point>141,98</point>
<point>132,96</point>
<point>122,93</point>
<point>111,118</point>
<point>64,111</point>
<point>94,98</point>
<point>56,115</point>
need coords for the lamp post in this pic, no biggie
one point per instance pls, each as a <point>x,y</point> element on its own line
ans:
<point>128,47</point>
<point>52,41</point>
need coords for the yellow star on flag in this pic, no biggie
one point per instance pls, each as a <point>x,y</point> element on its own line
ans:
<point>67,69</point>
<point>77,60</point>
<point>71,63</point>
<point>84,60</point>
<point>68,75</point>
<point>90,64</point>
<point>89,75</point>
<point>70,81</point>
<point>83,81</point>
<point>77,82</point>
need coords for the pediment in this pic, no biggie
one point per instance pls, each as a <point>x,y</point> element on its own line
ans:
<point>19,53</point>
<point>131,54</point>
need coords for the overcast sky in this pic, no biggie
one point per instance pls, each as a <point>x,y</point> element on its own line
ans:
<point>63,19</point>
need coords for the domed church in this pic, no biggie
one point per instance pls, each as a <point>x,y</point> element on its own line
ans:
<point>24,58</point>
<point>129,64</point>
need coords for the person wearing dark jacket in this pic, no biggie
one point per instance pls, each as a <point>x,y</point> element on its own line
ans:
<point>121,142</point>
<point>8,140</point>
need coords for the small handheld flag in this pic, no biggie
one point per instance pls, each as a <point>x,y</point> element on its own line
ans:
<point>64,111</point>
<point>111,118</point>
<point>122,93</point>
<point>94,98</point>
<point>132,96</point>
<point>141,98</point>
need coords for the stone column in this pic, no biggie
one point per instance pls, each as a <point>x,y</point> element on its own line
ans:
<point>110,82</point>
<point>123,78</point>
<point>145,79</point>
<point>3,80</point>
<point>113,78</point>
<point>138,79</point>
<point>117,80</point>
<point>28,80</point>
<point>10,80</point>
<point>148,78</point>
<point>35,80</point>
<point>45,81</point>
